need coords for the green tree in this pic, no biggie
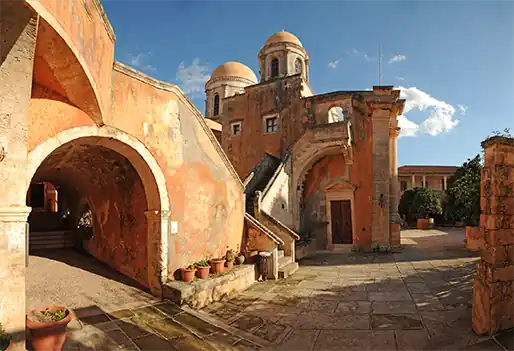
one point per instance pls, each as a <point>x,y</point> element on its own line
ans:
<point>419,203</point>
<point>462,201</point>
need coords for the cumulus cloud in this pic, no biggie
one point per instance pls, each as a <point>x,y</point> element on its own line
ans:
<point>463,109</point>
<point>397,58</point>
<point>333,64</point>
<point>192,78</point>
<point>439,118</point>
<point>140,61</point>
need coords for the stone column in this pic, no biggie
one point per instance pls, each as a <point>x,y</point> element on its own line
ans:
<point>18,29</point>
<point>493,288</point>
<point>394,191</point>
<point>424,182</point>
<point>413,181</point>
<point>445,182</point>
<point>380,178</point>
<point>158,224</point>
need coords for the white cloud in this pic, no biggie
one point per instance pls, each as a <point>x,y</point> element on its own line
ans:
<point>400,78</point>
<point>397,58</point>
<point>355,52</point>
<point>193,77</point>
<point>440,117</point>
<point>333,64</point>
<point>463,109</point>
<point>140,60</point>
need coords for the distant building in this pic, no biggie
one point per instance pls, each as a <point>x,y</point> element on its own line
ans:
<point>432,177</point>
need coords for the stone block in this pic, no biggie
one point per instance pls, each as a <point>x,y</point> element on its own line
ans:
<point>474,238</point>
<point>498,254</point>
<point>481,312</point>
<point>499,154</point>
<point>497,221</point>
<point>497,205</point>
<point>497,237</point>
<point>394,230</point>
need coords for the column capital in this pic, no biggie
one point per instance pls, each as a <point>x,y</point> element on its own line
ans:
<point>158,214</point>
<point>14,213</point>
<point>394,132</point>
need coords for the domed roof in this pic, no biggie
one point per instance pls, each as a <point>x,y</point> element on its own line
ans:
<point>283,37</point>
<point>234,69</point>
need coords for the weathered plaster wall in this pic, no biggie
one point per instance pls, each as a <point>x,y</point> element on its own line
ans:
<point>275,199</point>
<point>205,198</point>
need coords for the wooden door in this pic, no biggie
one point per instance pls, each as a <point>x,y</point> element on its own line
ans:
<point>341,217</point>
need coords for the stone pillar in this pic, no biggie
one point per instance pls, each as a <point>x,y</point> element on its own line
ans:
<point>158,224</point>
<point>413,181</point>
<point>423,185</point>
<point>18,29</point>
<point>380,178</point>
<point>445,182</point>
<point>494,280</point>
<point>394,191</point>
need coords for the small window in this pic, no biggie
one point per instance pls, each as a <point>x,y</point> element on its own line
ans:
<point>298,66</point>
<point>236,128</point>
<point>403,185</point>
<point>274,68</point>
<point>216,105</point>
<point>271,124</point>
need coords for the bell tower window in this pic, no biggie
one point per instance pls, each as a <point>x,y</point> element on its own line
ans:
<point>274,67</point>
<point>298,66</point>
<point>216,109</point>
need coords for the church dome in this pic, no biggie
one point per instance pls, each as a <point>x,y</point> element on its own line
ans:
<point>234,69</point>
<point>283,37</point>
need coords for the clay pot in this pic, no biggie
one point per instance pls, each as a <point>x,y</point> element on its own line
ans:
<point>218,265</point>
<point>48,336</point>
<point>203,272</point>
<point>240,259</point>
<point>188,275</point>
<point>229,264</point>
<point>425,223</point>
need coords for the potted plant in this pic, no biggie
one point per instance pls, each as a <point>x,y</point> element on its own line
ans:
<point>5,339</point>
<point>217,265</point>
<point>188,273</point>
<point>47,327</point>
<point>202,269</point>
<point>229,258</point>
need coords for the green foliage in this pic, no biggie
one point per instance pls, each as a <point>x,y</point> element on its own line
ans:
<point>462,202</point>
<point>51,315</point>
<point>4,338</point>
<point>191,267</point>
<point>202,263</point>
<point>229,256</point>
<point>420,203</point>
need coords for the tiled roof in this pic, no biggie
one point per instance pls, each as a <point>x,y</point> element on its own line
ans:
<point>426,169</point>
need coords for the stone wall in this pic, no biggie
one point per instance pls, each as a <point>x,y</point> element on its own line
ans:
<point>493,290</point>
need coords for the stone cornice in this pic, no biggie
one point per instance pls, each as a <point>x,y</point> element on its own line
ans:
<point>498,139</point>
<point>395,132</point>
<point>263,53</point>
<point>129,71</point>
<point>14,213</point>
<point>107,23</point>
<point>229,78</point>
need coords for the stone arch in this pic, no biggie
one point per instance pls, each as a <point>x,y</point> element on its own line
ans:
<point>150,174</point>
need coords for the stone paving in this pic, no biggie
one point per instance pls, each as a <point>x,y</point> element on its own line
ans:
<point>419,299</point>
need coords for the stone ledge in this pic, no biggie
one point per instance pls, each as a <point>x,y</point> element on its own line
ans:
<point>305,249</point>
<point>202,292</point>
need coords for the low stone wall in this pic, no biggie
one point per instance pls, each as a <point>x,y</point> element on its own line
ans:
<point>203,292</point>
<point>474,238</point>
<point>305,249</point>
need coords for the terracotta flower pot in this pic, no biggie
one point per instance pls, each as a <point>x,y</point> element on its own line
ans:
<point>188,275</point>
<point>218,265</point>
<point>47,336</point>
<point>203,272</point>
<point>229,264</point>
<point>240,259</point>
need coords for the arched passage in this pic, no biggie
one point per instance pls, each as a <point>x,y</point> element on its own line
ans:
<point>118,178</point>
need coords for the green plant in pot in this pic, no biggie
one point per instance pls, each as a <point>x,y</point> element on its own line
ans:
<point>188,273</point>
<point>202,269</point>
<point>5,339</point>
<point>229,259</point>
<point>47,327</point>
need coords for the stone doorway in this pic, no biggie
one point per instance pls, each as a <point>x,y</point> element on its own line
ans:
<point>341,215</point>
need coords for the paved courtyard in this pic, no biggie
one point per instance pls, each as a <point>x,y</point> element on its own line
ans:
<point>419,299</point>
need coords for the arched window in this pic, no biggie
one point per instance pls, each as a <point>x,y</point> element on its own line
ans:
<point>298,66</point>
<point>216,105</point>
<point>274,67</point>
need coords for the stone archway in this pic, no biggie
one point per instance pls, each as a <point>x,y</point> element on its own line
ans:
<point>138,158</point>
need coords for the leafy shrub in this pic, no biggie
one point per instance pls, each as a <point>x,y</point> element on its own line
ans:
<point>420,203</point>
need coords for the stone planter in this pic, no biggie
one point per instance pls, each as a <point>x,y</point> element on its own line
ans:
<point>229,265</point>
<point>203,272</point>
<point>425,223</point>
<point>188,274</point>
<point>474,238</point>
<point>218,265</point>
<point>47,336</point>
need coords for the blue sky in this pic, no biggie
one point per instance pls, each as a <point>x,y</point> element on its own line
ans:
<point>454,60</point>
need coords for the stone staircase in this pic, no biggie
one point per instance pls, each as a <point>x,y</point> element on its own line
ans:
<point>59,239</point>
<point>286,265</point>
<point>261,176</point>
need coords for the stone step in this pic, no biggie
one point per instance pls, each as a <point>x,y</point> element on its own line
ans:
<point>280,254</point>
<point>50,240</point>
<point>287,270</point>
<point>284,261</point>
